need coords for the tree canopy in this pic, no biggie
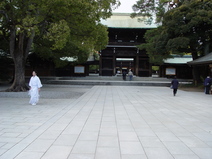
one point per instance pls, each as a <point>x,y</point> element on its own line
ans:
<point>184,29</point>
<point>58,27</point>
<point>189,27</point>
<point>155,45</point>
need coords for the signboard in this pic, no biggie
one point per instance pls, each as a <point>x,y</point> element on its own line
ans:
<point>79,69</point>
<point>170,71</point>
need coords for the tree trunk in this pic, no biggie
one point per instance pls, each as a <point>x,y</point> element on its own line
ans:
<point>196,75</point>
<point>19,77</point>
<point>195,70</point>
<point>19,50</point>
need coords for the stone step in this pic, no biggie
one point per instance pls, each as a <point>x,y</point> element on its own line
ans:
<point>110,80</point>
<point>114,83</point>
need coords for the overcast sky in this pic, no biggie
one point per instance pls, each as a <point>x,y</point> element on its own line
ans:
<point>125,7</point>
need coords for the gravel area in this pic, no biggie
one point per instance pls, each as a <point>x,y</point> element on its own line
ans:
<point>50,92</point>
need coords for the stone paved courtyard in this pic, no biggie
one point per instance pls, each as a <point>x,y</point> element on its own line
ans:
<point>106,122</point>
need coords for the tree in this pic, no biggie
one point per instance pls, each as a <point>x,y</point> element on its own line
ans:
<point>57,22</point>
<point>79,48</point>
<point>187,29</point>
<point>190,28</point>
<point>155,46</point>
<point>150,10</point>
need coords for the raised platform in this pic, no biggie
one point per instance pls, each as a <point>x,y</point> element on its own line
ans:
<point>113,80</point>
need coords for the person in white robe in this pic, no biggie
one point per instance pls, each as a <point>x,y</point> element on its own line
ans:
<point>35,85</point>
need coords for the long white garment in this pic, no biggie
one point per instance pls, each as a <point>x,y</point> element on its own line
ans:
<point>35,84</point>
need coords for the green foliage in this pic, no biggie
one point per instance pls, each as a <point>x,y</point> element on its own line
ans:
<point>147,9</point>
<point>189,26</point>
<point>185,29</point>
<point>79,48</point>
<point>177,45</point>
<point>93,68</point>
<point>62,27</point>
<point>59,34</point>
<point>155,68</point>
<point>151,8</point>
<point>155,45</point>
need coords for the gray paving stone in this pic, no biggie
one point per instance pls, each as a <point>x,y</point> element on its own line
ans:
<point>120,122</point>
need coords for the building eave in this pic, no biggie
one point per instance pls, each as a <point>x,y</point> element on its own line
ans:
<point>207,59</point>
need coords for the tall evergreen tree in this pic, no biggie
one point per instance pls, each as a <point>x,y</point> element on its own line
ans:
<point>186,28</point>
<point>55,21</point>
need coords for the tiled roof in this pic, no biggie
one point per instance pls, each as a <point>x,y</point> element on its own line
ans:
<point>123,20</point>
<point>207,59</point>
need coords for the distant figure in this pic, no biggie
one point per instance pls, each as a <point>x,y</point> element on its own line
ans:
<point>207,84</point>
<point>124,73</point>
<point>175,85</point>
<point>130,74</point>
<point>35,86</point>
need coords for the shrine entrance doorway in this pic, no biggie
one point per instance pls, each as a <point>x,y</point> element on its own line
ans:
<point>124,64</point>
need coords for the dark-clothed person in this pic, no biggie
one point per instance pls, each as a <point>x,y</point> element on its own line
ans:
<point>207,84</point>
<point>175,85</point>
<point>124,75</point>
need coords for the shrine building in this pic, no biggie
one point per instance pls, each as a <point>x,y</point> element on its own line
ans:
<point>121,53</point>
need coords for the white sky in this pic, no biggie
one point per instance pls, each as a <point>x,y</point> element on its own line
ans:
<point>125,7</point>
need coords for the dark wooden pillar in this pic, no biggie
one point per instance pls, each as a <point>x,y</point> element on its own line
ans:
<point>150,70</point>
<point>100,65</point>
<point>137,65</point>
<point>114,64</point>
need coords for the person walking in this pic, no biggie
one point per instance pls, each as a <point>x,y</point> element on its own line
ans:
<point>130,74</point>
<point>175,84</point>
<point>35,85</point>
<point>124,75</point>
<point>207,84</point>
